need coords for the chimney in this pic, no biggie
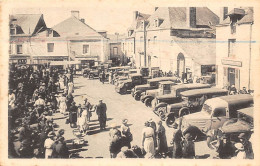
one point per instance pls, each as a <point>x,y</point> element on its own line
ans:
<point>136,13</point>
<point>223,13</point>
<point>155,8</point>
<point>191,17</point>
<point>82,20</point>
<point>75,13</point>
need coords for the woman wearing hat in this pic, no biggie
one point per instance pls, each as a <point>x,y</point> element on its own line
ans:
<point>48,145</point>
<point>62,104</point>
<point>148,138</point>
<point>82,120</point>
<point>126,134</point>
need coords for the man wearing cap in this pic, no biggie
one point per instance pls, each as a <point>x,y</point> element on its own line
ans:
<point>188,148</point>
<point>102,116</point>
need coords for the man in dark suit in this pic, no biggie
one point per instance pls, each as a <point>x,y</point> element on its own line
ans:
<point>102,116</point>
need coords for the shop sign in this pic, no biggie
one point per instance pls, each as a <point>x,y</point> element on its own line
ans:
<point>231,63</point>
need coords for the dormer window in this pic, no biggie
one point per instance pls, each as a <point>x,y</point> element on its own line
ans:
<point>156,23</point>
<point>130,32</point>
<point>12,31</point>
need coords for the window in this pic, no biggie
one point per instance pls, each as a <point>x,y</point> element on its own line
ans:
<point>85,49</point>
<point>219,112</point>
<point>154,39</point>
<point>115,51</point>
<point>231,47</point>
<point>19,49</point>
<point>12,31</point>
<point>50,47</point>
<point>148,42</point>
<point>132,48</point>
<point>156,23</point>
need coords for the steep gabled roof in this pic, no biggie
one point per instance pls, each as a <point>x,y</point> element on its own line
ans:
<point>73,27</point>
<point>27,22</point>
<point>137,23</point>
<point>175,17</point>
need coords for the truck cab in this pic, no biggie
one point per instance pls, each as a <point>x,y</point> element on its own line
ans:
<point>174,96</point>
<point>163,89</point>
<point>214,113</point>
<point>190,101</point>
<point>126,85</point>
<point>151,84</point>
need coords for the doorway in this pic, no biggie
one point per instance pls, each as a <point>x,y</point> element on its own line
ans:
<point>231,76</point>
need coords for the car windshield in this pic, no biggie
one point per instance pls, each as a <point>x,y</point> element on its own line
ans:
<point>207,109</point>
<point>152,83</point>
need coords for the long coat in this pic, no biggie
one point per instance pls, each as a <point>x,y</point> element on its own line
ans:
<point>162,142</point>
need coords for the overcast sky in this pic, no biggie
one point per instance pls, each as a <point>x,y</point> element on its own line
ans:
<point>100,18</point>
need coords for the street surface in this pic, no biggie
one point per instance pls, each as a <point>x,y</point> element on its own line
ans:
<point>118,108</point>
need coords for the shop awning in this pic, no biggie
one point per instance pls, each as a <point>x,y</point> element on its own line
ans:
<point>61,63</point>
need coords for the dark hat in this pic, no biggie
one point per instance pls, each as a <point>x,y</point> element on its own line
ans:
<point>124,121</point>
<point>51,134</point>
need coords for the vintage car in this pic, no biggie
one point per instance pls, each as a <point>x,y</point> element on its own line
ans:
<point>174,96</point>
<point>126,85</point>
<point>244,123</point>
<point>149,95</point>
<point>151,84</point>
<point>190,101</point>
<point>214,113</point>
<point>85,72</point>
<point>120,76</point>
<point>93,74</point>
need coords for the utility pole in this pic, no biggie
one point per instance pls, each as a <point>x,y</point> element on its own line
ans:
<point>144,45</point>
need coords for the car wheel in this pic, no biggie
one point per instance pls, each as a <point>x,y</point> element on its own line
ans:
<point>183,111</point>
<point>147,102</point>
<point>170,120</point>
<point>123,91</point>
<point>162,112</point>
<point>137,97</point>
<point>153,103</point>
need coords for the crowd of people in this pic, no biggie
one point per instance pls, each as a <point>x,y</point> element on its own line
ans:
<point>35,95</point>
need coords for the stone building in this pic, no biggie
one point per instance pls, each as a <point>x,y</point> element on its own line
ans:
<point>236,48</point>
<point>22,28</point>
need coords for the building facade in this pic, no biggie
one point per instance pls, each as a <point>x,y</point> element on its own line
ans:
<point>116,55</point>
<point>236,48</point>
<point>22,28</point>
<point>177,39</point>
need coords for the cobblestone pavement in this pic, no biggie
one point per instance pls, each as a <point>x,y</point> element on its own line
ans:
<point>119,107</point>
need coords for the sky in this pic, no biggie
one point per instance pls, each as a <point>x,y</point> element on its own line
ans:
<point>117,19</point>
